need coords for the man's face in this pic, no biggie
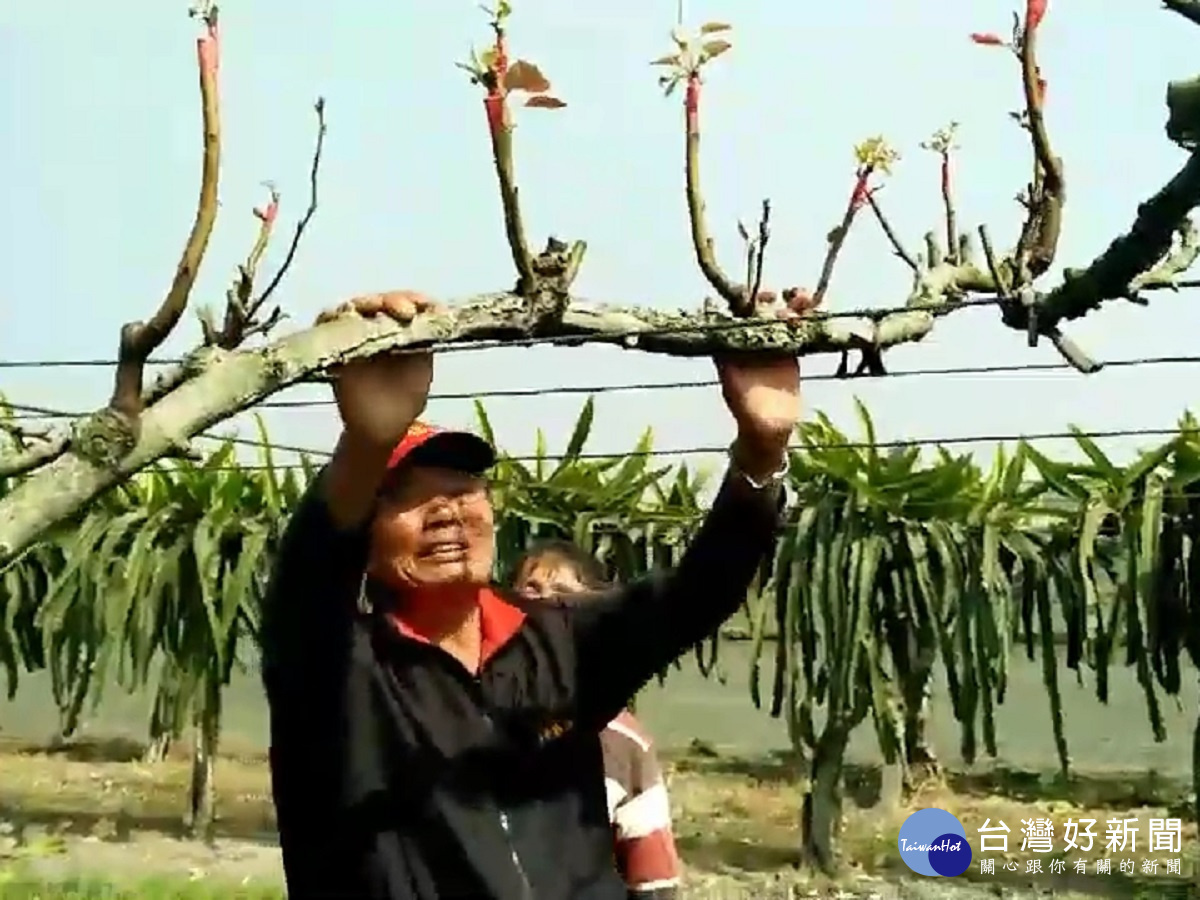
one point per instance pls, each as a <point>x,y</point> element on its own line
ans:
<point>543,579</point>
<point>433,526</point>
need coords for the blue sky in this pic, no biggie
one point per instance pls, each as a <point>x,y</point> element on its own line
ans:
<point>99,108</point>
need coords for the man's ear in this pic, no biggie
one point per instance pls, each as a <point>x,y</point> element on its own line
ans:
<point>373,569</point>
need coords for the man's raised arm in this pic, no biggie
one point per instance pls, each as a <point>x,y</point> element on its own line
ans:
<point>626,638</point>
<point>319,570</point>
<point>315,582</point>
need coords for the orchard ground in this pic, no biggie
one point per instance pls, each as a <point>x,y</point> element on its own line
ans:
<point>94,813</point>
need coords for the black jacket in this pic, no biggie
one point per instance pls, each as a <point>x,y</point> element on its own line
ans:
<point>397,774</point>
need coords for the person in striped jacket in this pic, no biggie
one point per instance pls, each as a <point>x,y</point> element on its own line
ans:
<point>638,806</point>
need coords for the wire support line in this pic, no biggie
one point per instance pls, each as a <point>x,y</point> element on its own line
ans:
<point>871,312</point>
<point>897,444</point>
<point>27,412</point>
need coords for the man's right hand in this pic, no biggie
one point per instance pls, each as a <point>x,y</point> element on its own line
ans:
<point>379,398</point>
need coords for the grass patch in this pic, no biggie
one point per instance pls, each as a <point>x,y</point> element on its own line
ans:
<point>94,807</point>
<point>101,789</point>
<point>28,888</point>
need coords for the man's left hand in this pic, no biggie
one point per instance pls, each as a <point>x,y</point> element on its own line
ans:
<point>763,394</point>
<point>764,398</point>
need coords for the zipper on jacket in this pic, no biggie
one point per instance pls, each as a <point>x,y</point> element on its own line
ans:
<point>526,886</point>
<point>512,849</point>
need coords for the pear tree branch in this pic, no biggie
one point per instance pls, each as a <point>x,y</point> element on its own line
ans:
<point>117,431</point>
<point>543,279</point>
<point>685,66</point>
<point>889,231</point>
<point>1046,194</point>
<point>942,143</point>
<point>237,299</point>
<point>22,449</point>
<point>756,250</point>
<point>243,310</point>
<point>873,155</point>
<point>64,472</point>
<point>1189,9</point>
<point>314,172</point>
<point>1043,198</point>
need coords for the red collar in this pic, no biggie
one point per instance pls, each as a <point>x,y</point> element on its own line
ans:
<point>499,622</point>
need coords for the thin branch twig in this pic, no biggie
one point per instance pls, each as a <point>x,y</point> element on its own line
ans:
<point>500,130</point>
<point>140,339</point>
<point>740,303</point>
<point>302,225</point>
<point>952,241</point>
<point>999,276</point>
<point>1038,243</point>
<point>837,237</point>
<point>543,279</point>
<point>756,251</point>
<point>942,143</point>
<point>239,323</point>
<point>242,310</point>
<point>893,238</point>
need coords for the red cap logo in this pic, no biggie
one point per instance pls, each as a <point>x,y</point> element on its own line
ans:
<point>417,434</point>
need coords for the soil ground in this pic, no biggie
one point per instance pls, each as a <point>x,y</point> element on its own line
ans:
<point>93,810</point>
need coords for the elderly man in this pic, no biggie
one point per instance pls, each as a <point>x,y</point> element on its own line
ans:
<point>432,736</point>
